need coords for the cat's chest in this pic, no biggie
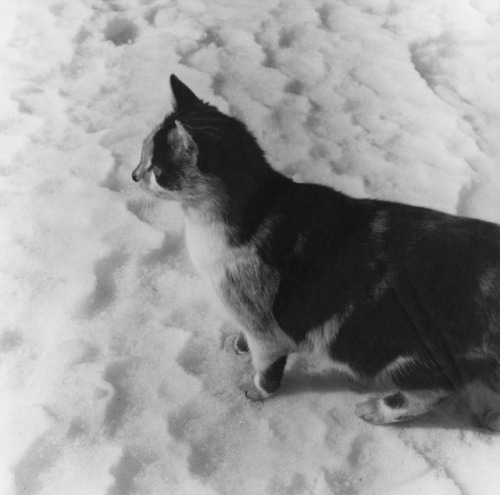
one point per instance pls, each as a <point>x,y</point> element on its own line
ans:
<point>209,251</point>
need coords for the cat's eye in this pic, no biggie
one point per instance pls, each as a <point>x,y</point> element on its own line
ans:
<point>156,171</point>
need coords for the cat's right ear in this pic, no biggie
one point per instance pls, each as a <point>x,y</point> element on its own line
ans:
<point>183,96</point>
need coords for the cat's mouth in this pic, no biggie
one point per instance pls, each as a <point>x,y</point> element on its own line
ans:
<point>148,184</point>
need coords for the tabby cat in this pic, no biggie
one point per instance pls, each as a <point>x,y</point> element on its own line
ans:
<point>393,294</point>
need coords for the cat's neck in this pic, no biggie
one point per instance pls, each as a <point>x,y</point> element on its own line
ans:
<point>236,214</point>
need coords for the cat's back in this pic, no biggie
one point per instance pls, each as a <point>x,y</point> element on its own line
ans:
<point>302,219</point>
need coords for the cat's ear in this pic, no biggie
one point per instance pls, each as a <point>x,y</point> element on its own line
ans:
<point>182,142</point>
<point>183,96</point>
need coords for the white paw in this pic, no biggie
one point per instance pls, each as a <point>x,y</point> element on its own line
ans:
<point>240,345</point>
<point>232,343</point>
<point>374,411</point>
<point>253,394</point>
<point>254,391</point>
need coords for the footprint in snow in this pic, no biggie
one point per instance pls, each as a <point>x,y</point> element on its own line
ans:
<point>104,293</point>
<point>120,31</point>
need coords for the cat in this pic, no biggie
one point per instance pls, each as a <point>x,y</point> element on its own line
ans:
<point>393,294</point>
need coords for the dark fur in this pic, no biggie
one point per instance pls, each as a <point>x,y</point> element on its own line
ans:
<point>399,280</point>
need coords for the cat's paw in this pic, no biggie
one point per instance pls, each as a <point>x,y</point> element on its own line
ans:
<point>253,394</point>
<point>375,411</point>
<point>491,420</point>
<point>240,345</point>
<point>236,344</point>
<point>254,391</point>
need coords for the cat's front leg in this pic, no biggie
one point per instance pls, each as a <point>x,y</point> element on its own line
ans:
<point>266,382</point>
<point>269,363</point>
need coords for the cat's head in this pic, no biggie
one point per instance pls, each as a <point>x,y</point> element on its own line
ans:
<point>199,156</point>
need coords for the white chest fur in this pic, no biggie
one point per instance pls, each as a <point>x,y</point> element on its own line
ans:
<point>209,250</point>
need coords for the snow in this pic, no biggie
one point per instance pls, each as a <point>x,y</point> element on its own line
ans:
<point>114,372</point>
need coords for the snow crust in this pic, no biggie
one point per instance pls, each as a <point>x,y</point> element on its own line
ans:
<point>113,371</point>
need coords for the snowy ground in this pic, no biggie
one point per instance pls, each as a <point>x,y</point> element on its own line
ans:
<point>113,375</point>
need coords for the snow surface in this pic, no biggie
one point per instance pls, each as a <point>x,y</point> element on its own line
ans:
<point>114,375</point>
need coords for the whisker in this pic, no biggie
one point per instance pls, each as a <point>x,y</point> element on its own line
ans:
<point>150,206</point>
<point>151,200</point>
<point>143,204</point>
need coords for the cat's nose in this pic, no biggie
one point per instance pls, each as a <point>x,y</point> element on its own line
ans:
<point>135,176</point>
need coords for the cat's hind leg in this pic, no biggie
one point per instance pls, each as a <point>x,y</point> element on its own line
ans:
<point>398,406</point>
<point>484,401</point>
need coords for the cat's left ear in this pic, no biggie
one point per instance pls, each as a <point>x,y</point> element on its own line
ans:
<point>182,94</point>
<point>182,142</point>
